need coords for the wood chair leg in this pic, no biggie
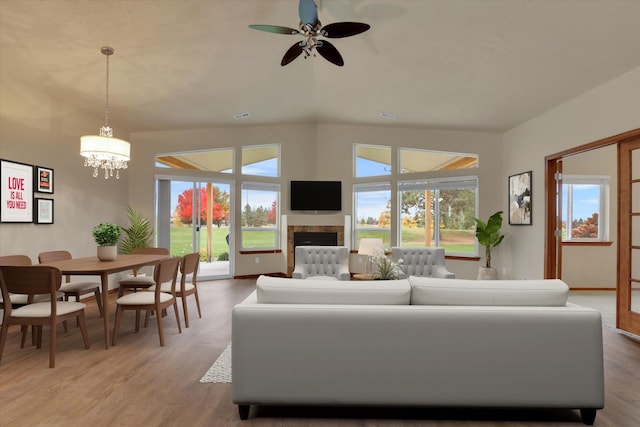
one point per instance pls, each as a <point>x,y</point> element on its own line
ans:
<point>175,309</point>
<point>25,329</point>
<point>52,344</point>
<point>186,313</point>
<point>83,329</point>
<point>198,303</point>
<point>160,330</point>
<point>137,321</point>
<point>116,326</point>
<point>3,336</point>
<point>99,301</point>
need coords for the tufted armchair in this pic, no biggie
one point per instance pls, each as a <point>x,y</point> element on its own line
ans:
<point>322,261</point>
<point>425,262</point>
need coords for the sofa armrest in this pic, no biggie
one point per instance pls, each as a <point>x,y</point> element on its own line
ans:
<point>299,273</point>
<point>344,273</point>
<point>441,271</point>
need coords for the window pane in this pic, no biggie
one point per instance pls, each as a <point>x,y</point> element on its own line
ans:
<point>210,160</point>
<point>448,221</point>
<point>585,202</point>
<point>260,215</point>
<point>372,213</point>
<point>261,160</point>
<point>585,211</point>
<point>412,160</point>
<point>372,160</point>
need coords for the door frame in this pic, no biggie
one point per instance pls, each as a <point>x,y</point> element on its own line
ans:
<point>553,252</point>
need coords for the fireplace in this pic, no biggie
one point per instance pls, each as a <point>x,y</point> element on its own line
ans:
<point>315,238</point>
<point>306,235</point>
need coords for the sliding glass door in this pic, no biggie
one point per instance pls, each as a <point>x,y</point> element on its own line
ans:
<point>194,216</point>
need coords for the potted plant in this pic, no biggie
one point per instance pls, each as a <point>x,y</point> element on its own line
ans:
<point>488,235</point>
<point>138,234</point>
<point>106,236</point>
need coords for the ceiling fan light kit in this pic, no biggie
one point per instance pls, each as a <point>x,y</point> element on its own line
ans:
<point>311,28</point>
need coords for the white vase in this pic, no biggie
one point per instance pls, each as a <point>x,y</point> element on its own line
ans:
<point>488,273</point>
<point>107,253</point>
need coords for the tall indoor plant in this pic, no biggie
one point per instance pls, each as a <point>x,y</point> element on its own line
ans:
<point>488,235</point>
<point>138,234</point>
<point>106,236</point>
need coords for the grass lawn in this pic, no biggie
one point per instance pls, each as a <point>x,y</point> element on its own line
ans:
<point>454,241</point>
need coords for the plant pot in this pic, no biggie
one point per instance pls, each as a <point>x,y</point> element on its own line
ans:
<point>488,273</point>
<point>107,253</point>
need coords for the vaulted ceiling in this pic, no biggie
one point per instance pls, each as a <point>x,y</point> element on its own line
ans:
<point>484,65</point>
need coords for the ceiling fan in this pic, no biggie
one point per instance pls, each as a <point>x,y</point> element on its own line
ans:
<point>311,28</point>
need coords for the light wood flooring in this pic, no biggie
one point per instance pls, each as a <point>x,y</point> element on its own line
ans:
<point>139,383</point>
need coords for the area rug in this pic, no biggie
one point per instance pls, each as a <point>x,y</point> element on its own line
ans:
<point>220,371</point>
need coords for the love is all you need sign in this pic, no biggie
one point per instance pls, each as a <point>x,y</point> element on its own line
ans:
<point>17,192</point>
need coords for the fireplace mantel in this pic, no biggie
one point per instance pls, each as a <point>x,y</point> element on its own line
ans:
<point>340,224</point>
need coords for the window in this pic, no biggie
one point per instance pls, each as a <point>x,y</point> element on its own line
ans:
<point>260,215</point>
<point>372,160</point>
<point>438,212</point>
<point>372,212</point>
<point>414,160</point>
<point>585,206</point>
<point>220,160</point>
<point>261,160</point>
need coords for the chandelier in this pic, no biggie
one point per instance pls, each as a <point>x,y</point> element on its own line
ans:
<point>103,151</point>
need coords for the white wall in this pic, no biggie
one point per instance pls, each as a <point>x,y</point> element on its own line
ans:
<point>608,110</point>
<point>34,131</point>
<point>322,151</point>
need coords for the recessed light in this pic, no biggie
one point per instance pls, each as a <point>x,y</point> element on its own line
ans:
<point>388,116</point>
<point>241,116</point>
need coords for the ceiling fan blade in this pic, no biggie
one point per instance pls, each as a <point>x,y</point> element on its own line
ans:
<point>274,29</point>
<point>329,52</point>
<point>308,12</point>
<point>344,29</point>
<point>291,54</point>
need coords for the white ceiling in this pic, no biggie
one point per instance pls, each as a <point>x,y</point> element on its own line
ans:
<point>469,64</point>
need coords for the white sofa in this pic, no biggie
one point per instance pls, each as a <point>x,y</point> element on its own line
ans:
<point>416,342</point>
<point>321,263</point>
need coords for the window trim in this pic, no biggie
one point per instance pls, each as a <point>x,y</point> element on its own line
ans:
<point>604,182</point>
<point>261,186</point>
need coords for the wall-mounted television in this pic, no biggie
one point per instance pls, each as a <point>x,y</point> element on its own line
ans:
<point>316,195</point>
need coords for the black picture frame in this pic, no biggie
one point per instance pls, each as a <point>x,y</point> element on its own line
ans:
<point>43,179</point>
<point>43,210</point>
<point>16,192</point>
<point>521,199</point>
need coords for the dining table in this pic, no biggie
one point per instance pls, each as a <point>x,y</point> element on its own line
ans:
<point>92,266</point>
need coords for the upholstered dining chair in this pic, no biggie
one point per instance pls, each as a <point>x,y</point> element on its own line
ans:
<point>188,278</point>
<point>136,282</point>
<point>72,289</point>
<point>35,280</point>
<point>18,300</point>
<point>165,271</point>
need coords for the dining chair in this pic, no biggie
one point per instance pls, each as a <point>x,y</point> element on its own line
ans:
<point>31,280</point>
<point>18,300</point>
<point>188,278</point>
<point>165,271</point>
<point>136,282</point>
<point>69,288</point>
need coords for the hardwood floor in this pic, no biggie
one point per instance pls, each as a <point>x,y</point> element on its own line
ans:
<point>139,383</point>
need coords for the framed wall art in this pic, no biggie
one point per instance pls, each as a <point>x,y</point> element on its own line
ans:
<point>43,211</point>
<point>44,180</point>
<point>16,193</point>
<point>520,199</point>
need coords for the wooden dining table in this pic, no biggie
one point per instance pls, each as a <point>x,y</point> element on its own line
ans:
<point>92,266</point>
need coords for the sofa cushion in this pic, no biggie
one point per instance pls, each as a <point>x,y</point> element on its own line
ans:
<point>278,290</point>
<point>433,291</point>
